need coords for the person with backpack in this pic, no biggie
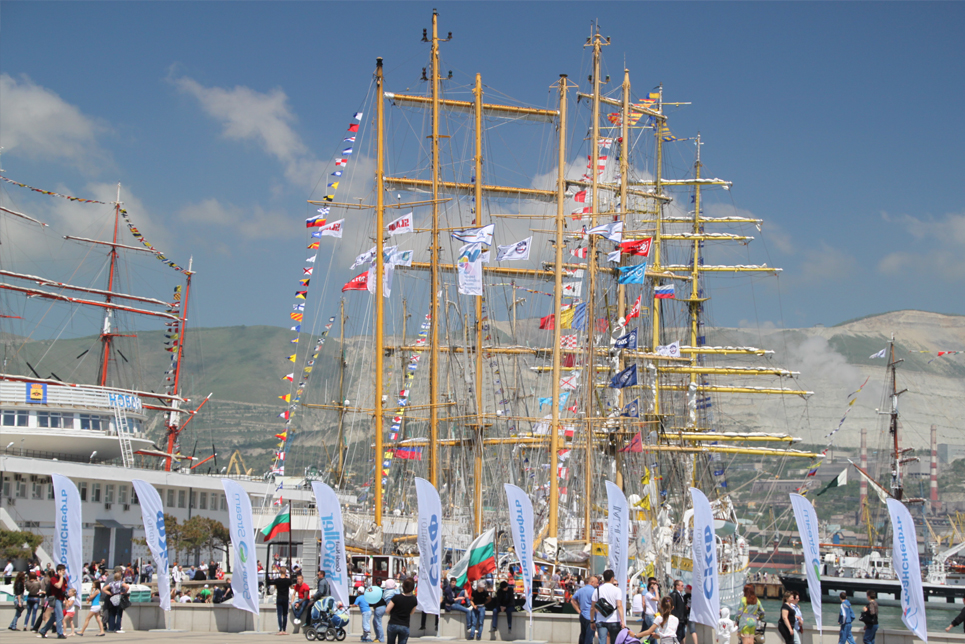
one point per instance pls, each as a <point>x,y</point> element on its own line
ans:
<point>115,593</point>
<point>608,605</point>
<point>869,615</point>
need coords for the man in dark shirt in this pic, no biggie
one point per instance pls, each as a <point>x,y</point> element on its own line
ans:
<point>679,609</point>
<point>282,584</point>
<point>958,620</point>
<point>506,602</point>
<point>57,591</point>
<point>400,609</point>
<point>323,588</point>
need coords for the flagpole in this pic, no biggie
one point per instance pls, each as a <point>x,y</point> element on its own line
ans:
<point>621,288</point>
<point>477,448</point>
<point>290,560</point>
<point>379,267</point>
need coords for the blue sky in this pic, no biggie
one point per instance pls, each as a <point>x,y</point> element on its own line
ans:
<point>839,124</point>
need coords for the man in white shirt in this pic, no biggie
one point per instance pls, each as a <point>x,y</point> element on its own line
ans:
<point>610,591</point>
<point>650,601</point>
<point>176,576</point>
<point>8,572</point>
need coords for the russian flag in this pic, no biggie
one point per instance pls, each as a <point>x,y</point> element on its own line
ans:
<point>409,453</point>
<point>665,292</point>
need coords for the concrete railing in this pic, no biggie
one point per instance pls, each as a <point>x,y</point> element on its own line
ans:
<point>547,627</point>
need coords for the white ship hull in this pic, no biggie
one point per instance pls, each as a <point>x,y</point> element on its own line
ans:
<point>731,583</point>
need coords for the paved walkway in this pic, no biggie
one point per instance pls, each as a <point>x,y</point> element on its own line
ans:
<point>20,637</point>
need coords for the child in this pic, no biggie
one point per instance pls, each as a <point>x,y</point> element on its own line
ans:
<point>70,609</point>
<point>725,626</point>
<point>95,609</point>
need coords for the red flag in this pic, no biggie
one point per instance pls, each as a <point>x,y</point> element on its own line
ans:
<point>547,322</point>
<point>635,309</point>
<point>602,325</point>
<point>357,283</point>
<point>636,445</point>
<point>354,127</point>
<point>569,360</point>
<point>580,196</point>
<point>639,247</point>
<point>578,252</point>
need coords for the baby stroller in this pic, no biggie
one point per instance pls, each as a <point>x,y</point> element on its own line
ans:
<point>327,621</point>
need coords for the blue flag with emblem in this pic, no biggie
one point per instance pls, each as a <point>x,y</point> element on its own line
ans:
<point>629,341</point>
<point>626,378</point>
<point>631,409</point>
<point>632,274</point>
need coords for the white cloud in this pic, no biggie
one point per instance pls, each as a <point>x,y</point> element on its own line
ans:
<point>935,248</point>
<point>827,263</point>
<point>253,224</point>
<point>37,123</point>
<point>260,117</point>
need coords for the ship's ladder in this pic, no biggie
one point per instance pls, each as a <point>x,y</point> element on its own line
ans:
<point>124,436</point>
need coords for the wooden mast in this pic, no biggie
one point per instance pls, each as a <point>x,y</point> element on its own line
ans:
<point>477,448</point>
<point>379,271</point>
<point>590,319</point>
<point>553,528</point>
<point>174,419</point>
<point>107,333</point>
<point>695,299</point>
<point>655,245</point>
<point>434,261</point>
<point>624,187</point>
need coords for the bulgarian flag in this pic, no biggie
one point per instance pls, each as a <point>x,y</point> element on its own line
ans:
<point>281,523</point>
<point>479,560</point>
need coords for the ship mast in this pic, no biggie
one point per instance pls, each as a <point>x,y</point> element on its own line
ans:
<point>624,186</point>
<point>341,393</point>
<point>553,526</point>
<point>379,270</point>
<point>174,418</point>
<point>897,485</point>
<point>590,321</point>
<point>477,198</point>
<point>107,333</point>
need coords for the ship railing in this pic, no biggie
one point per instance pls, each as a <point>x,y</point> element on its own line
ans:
<point>50,456</point>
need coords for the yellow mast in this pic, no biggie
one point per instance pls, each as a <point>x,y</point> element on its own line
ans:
<point>655,245</point>
<point>624,186</point>
<point>695,299</point>
<point>553,527</point>
<point>477,450</point>
<point>379,269</point>
<point>434,261</point>
<point>590,320</point>
<point>341,392</point>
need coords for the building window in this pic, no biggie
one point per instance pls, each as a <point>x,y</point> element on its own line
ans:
<point>6,486</point>
<point>9,418</point>
<point>194,499</point>
<point>109,493</point>
<point>36,490</point>
<point>170,498</point>
<point>90,421</point>
<point>95,492</point>
<point>50,491</point>
<point>224,503</point>
<point>134,499</point>
<point>82,486</point>
<point>203,501</point>
<point>21,489</point>
<point>182,498</point>
<point>122,494</point>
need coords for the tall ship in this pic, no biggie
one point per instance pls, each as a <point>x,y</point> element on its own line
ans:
<point>532,309</point>
<point>102,417</point>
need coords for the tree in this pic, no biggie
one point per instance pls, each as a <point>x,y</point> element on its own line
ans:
<point>16,545</point>
<point>196,534</point>
<point>220,540</point>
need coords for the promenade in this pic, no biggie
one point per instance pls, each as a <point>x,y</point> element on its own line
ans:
<point>218,624</point>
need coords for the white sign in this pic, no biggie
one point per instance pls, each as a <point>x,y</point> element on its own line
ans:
<point>244,580</point>
<point>152,513</point>
<point>429,539</point>
<point>618,533</point>
<point>807,528</point>
<point>68,537</point>
<point>125,401</point>
<point>521,525</point>
<point>705,602</point>
<point>904,560</point>
<point>332,549</point>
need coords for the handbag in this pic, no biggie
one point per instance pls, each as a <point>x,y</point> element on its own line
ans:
<point>604,607</point>
<point>125,601</point>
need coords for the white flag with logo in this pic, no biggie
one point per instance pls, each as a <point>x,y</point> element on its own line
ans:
<point>152,513</point>
<point>482,235</point>
<point>904,560</point>
<point>807,528</point>
<point>244,580</point>
<point>521,525</point>
<point>705,602</point>
<point>401,225</point>
<point>332,547</point>
<point>671,350</point>
<point>68,535</point>
<point>333,229</point>
<point>365,258</point>
<point>514,252</point>
<point>618,533</point>
<point>880,354</point>
<point>429,540</point>
<point>572,289</point>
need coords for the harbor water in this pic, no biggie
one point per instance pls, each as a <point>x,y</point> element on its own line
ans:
<point>939,614</point>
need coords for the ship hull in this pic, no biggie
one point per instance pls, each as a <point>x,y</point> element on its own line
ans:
<point>852,585</point>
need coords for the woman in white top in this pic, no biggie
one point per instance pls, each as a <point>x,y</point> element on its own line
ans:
<point>636,605</point>
<point>664,624</point>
